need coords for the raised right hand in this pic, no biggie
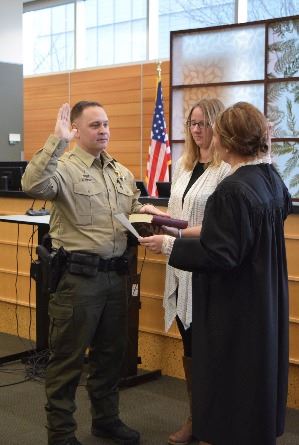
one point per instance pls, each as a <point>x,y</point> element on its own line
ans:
<point>62,128</point>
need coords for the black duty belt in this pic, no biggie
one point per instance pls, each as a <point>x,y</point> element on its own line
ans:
<point>88,264</point>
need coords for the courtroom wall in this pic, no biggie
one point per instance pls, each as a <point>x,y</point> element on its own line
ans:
<point>127,93</point>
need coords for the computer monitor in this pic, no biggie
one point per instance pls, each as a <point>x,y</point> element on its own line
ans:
<point>163,189</point>
<point>11,173</point>
<point>142,187</point>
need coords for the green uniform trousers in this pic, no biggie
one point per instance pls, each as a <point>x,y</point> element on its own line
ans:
<point>85,312</point>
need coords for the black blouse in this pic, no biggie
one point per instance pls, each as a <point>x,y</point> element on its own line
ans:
<point>197,172</point>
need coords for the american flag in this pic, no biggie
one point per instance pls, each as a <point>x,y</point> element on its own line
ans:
<point>159,155</point>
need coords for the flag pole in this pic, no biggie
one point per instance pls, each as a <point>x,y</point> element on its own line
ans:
<point>159,70</point>
<point>159,156</point>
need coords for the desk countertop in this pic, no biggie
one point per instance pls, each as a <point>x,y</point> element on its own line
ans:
<point>25,219</point>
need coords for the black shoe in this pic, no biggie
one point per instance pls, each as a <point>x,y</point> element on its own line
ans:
<point>117,431</point>
<point>71,441</point>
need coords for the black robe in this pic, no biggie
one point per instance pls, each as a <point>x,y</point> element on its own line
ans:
<point>240,310</point>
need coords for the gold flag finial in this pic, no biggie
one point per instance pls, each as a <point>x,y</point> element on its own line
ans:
<point>159,69</point>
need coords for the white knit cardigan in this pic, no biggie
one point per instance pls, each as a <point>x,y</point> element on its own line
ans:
<point>193,211</point>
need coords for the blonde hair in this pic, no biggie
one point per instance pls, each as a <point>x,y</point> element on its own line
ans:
<point>243,129</point>
<point>210,109</point>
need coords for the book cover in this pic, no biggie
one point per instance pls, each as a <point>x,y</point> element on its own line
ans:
<point>157,220</point>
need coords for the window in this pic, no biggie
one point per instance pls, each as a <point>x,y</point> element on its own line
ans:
<point>63,35</point>
<point>48,39</point>
<point>267,9</point>
<point>187,14</point>
<point>234,64</point>
<point>112,32</point>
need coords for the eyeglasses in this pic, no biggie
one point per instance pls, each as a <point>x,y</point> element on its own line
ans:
<point>199,124</point>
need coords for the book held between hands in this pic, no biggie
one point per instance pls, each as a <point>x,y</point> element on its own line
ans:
<point>144,223</point>
<point>126,223</point>
<point>157,220</point>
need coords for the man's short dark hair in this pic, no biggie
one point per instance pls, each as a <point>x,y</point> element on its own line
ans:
<point>79,107</point>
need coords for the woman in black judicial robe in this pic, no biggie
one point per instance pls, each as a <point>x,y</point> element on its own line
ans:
<point>240,291</point>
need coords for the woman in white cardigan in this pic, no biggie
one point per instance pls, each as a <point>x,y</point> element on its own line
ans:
<point>196,176</point>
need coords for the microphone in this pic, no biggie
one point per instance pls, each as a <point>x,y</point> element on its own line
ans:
<point>41,212</point>
<point>30,210</point>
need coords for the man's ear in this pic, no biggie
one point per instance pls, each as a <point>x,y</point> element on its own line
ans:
<point>74,126</point>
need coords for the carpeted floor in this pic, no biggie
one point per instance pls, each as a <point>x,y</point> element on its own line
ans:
<point>155,409</point>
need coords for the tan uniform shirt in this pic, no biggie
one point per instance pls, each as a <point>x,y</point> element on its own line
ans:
<point>85,192</point>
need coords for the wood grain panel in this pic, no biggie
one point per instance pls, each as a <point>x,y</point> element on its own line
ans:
<point>149,67</point>
<point>291,226</point>
<point>106,73</point>
<point>151,317</point>
<point>292,246</point>
<point>16,291</point>
<point>17,321</point>
<point>125,158</point>
<point>42,98</point>
<point>91,89</point>
<point>294,299</point>
<point>294,344</point>
<point>123,121</point>
<point>16,206</point>
<point>135,169</point>
<point>127,92</point>
<point>153,269</point>
<point>16,256</point>
<point>129,146</point>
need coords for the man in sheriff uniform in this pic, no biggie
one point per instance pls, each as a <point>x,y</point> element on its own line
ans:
<point>89,307</point>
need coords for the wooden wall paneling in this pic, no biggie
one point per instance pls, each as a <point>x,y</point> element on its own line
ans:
<point>293,393</point>
<point>17,247</point>
<point>20,295</point>
<point>153,268</point>
<point>151,317</point>
<point>115,72</point>
<point>18,206</point>
<point>42,98</point>
<point>294,345</point>
<point>119,91</point>
<point>128,93</point>
<point>152,291</point>
<point>18,320</point>
<point>11,249</point>
<point>294,298</point>
<point>15,274</point>
<point>292,247</point>
<point>291,226</point>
